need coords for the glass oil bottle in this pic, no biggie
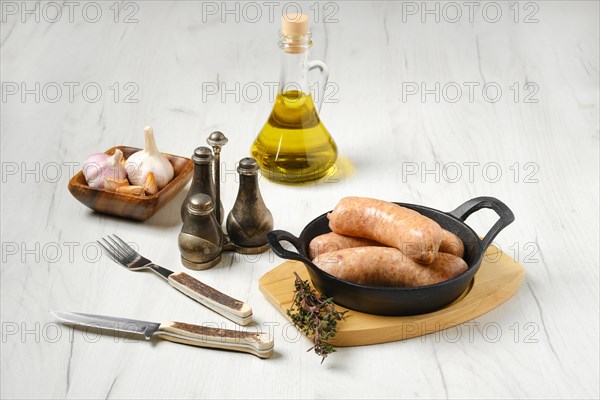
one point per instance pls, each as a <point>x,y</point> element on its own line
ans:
<point>294,146</point>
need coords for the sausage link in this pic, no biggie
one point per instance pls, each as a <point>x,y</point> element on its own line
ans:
<point>414,234</point>
<point>332,241</point>
<point>387,266</point>
<point>452,244</point>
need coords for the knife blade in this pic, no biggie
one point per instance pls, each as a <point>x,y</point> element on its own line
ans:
<point>145,328</point>
<point>257,343</point>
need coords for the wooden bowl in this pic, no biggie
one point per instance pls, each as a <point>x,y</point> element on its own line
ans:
<point>128,205</point>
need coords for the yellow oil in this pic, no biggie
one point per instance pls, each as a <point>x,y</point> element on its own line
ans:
<point>294,146</point>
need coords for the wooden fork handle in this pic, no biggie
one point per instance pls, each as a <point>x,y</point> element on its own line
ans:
<point>257,343</point>
<point>232,309</point>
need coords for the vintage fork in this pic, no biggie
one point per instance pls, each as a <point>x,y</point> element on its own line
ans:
<point>124,255</point>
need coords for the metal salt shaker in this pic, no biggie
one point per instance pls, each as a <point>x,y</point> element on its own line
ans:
<point>203,179</point>
<point>201,238</point>
<point>250,220</point>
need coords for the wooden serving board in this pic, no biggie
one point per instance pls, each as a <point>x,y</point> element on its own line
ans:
<point>496,281</point>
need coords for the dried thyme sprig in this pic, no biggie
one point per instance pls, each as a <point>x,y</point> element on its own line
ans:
<point>315,316</point>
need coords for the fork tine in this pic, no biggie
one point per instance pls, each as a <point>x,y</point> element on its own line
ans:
<point>122,253</point>
<point>125,245</point>
<point>121,257</point>
<point>109,251</point>
<point>111,248</point>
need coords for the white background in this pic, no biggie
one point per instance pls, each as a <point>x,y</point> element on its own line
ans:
<point>545,148</point>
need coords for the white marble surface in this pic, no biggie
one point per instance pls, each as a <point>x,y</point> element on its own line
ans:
<point>172,57</point>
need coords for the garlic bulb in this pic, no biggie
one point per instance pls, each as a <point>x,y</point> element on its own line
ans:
<point>99,167</point>
<point>139,164</point>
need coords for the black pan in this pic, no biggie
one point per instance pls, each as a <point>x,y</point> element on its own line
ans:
<point>400,300</point>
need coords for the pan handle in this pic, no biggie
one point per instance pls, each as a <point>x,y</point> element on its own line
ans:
<point>463,211</point>
<point>275,237</point>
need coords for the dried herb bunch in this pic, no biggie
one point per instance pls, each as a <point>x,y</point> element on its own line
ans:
<point>315,316</point>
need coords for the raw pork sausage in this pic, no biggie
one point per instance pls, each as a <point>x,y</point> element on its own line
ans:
<point>332,241</point>
<point>387,266</point>
<point>452,244</point>
<point>414,234</point>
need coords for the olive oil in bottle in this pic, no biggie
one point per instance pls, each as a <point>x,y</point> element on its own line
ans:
<point>294,146</point>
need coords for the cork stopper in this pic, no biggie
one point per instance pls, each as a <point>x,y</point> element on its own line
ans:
<point>295,37</point>
<point>294,24</point>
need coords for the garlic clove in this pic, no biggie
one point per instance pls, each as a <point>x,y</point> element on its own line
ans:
<point>118,156</point>
<point>141,163</point>
<point>137,190</point>
<point>150,184</point>
<point>113,184</point>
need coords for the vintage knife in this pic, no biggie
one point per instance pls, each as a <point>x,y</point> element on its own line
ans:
<point>256,343</point>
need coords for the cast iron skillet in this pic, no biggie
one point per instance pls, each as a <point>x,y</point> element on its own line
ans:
<point>400,300</point>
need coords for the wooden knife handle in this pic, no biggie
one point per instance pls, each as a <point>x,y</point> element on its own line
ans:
<point>256,343</point>
<point>235,310</point>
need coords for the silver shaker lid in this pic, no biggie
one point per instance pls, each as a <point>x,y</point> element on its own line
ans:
<point>200,204</point>
<point>202,155</point>
<point>247,166</point>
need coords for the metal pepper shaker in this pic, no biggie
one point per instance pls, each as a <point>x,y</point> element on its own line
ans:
<point>201,238</point>
<point>203,180</point>
<point>250,220</point>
